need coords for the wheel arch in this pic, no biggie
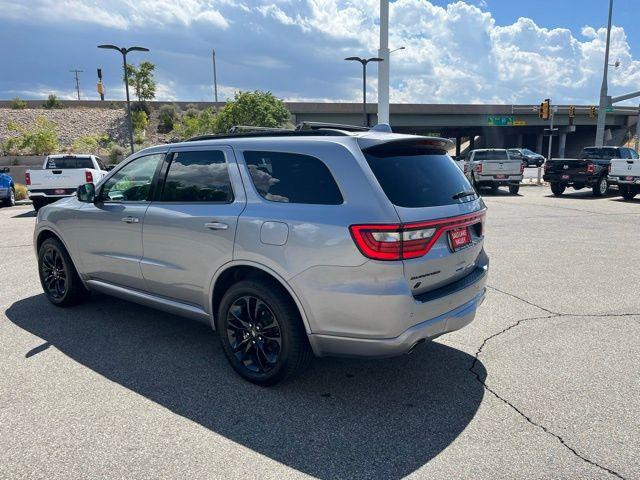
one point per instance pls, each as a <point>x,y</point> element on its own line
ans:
<point>233,272</point>
<point>46,233</point>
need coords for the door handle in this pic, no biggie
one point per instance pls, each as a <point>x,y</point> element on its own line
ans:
<point>131,220</point>
<point>216,225</point>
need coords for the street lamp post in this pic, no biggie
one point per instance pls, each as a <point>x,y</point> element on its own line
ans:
<point>124,52</point>
<point>604,103</point>
<point>215,77</point>
<point>364,61</point>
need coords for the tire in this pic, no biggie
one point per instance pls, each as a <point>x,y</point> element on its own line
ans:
<point>10,201</point>
<point>494,187</point>
<point>514,189</point>
<point>58,276</point>
<point>628,192</point>
<point>558,189</point>
<point>601,187</point>
<point>265,359</point>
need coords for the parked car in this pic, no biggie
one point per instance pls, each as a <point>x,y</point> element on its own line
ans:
<point>625,172</point>
<point>462,162</point>
<point>7,188</point>
<point>493,167</point>
<point>530,158</point>
<point>289,244</point>
<point>589,170</point>
<point>60,177</point>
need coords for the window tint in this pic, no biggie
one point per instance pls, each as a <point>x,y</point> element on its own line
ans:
<point>69,162</point>
<point>415,177</point>
<point>100,164</point>
<point>490,155</point>
<point>292,178</point>
<point>634,154</point>
<point>198,176</point>
<point>600,152</point>
<point>132,182</point>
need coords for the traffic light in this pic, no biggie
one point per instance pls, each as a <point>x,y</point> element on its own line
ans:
<point>545,109</point>
<point>592,112</point>
<point>572,111</point>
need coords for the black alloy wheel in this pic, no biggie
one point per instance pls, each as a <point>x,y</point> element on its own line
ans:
<point>254,334</point>
<point>54,273</point>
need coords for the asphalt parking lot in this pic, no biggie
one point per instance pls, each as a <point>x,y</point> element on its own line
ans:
<point>544,384</point>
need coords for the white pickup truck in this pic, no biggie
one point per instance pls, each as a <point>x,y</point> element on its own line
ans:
<point>493,167</point>
<point>625,172</point>
<point>60,177</point>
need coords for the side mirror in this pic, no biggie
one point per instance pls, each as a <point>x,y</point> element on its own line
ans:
<point>87,193</point>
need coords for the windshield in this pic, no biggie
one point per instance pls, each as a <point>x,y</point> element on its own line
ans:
<point>416,177</point>
<point>70,162</point>
<point>604,152</point>
<point>491,155</point>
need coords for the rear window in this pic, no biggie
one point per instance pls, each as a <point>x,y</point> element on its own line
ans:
<point>417,177</point>
<point>70,162</point>
<point>292,178</point>
<point>604,152</point>
<point>490,155</point>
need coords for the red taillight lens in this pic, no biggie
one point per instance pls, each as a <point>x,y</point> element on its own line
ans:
<point>609,168</point>
<point>27,178</point>
<point>479,168</point>
<point>546,167</point>
<point>522,168</point>
<point>88,176</point>
<point>466,168</point>
<point>591,168</point>
<point>410,240</point>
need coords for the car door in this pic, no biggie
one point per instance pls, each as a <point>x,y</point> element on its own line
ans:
<point>109,232</point>
<point>190,227</point>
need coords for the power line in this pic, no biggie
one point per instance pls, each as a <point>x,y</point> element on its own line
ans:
<point>77,81</point>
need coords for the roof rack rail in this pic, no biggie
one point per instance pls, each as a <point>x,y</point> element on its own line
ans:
<point>270,133</point>
<point>251,128</point>
<point>306,126</point>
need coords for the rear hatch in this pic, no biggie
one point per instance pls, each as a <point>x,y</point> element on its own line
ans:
<point>441,216</point>
<point>498,163</point>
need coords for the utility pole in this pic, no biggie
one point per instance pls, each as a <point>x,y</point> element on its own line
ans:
<point>77,81</point>
<point>638,131</point>
<point>383,68</point>
<point>604,101</point>
<point>215,77</point>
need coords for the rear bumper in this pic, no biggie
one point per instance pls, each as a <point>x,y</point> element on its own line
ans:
<point>438,312</point>
<point>4,192</point>
<point>48,194</point>
<point>492,180</point>
<point>623,181</point>
<point>573,179</point>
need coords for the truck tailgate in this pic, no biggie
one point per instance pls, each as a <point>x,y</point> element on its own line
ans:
<point>568,166</point>
<point>625,168</point>
<point>67,178</point>
<point>501,167</point>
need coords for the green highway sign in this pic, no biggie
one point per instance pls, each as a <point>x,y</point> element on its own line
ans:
<point>500,121</point>
<point>610,109</point>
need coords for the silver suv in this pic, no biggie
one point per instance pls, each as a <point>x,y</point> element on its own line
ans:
<point>289,244</point>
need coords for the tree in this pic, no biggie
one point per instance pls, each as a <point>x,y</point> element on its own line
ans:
<point>142,81</point>
<point>200,123</point>
<point>258,109</point>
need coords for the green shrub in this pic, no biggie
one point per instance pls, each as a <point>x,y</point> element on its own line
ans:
<point>21,191</point>
<point>168,115</point>
<point>204,122</point>
<point>140,119</point>
<point>52,102</point>
<point>41,139</point>
<point>192,113</point>
<point>93,144</point>
<point>18,104</point>
<point>258,109</point>
<point>116,154</point>
<point>138,138</point>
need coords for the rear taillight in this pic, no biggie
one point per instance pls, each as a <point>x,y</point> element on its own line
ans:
<point>466,168</point>
<point>591,168</point>
<point>88,176</point>
<point>409,240</point>
<point>27,178</point>
<point>478,168</point>
<point>609,168</point>
<point>522,168</point>
<point>546,167</point>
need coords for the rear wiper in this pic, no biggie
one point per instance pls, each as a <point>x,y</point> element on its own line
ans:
<point>460,195</point>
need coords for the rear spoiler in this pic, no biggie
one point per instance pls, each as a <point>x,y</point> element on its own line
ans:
<point>435,143</point>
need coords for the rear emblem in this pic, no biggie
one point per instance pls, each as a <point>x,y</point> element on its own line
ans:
<point>566,167</point>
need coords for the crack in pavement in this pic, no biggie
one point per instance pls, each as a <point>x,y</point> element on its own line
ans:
<point>527,418</point>
<point>16,246</point>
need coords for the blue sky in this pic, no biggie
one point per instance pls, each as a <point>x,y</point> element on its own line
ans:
<point>490,51</point>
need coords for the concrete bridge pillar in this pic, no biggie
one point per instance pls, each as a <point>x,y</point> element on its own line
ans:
<point>458,146</point>
<point>472,142</point>
<point>519,140</point>
<point>562,145</point>
<point>539,141</point>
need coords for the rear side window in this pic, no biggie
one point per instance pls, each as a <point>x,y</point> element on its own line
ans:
<point>198,176</point>
<point>71,162</point>
<point>292,178</point>
<point>490,155</point>
<point>416,177</point>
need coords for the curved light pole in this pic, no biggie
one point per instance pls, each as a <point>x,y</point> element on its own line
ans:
<point>364,61</point>
<point>124,52</point>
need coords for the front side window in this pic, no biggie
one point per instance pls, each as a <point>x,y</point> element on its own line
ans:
<point>198,176</point>
<point>132,182</point>
<point>292,178</point>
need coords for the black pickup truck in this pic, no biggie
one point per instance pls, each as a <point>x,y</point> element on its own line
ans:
<point>590,170</point>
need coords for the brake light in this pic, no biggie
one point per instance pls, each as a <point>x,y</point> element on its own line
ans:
<point>409,240</point>
<point>522,168</point>
<point>27,178</point>
<point>479,168</point>
<point>88,176</point>
<point>466,168</point>
<point>591,168</point>
<point>546,167</point>
<point>609,168</point>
